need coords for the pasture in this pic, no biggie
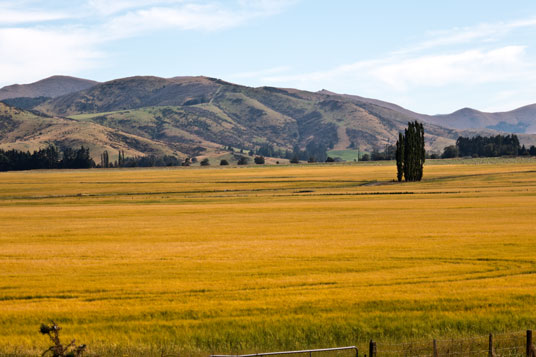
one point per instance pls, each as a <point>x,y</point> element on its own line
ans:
<point>250,259</point>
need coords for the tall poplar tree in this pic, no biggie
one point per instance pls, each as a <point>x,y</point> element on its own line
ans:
<point>400,157</point>
<point>410,153</point>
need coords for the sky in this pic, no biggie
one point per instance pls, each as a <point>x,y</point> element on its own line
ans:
<point>428,56</point>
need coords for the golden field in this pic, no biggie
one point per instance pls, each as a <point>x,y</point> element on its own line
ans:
<point>201,260</point>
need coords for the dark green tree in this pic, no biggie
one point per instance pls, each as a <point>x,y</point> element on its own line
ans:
<point>450,151</point>
<point>105,159</point>
<point>242,160</point>
<point>121,158</point>
<point>400,157</point>
<point>410,153</point>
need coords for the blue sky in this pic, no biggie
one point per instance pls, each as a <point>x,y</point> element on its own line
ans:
<point>428,56</point>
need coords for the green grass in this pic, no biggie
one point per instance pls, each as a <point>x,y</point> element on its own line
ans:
<point>346,155</point>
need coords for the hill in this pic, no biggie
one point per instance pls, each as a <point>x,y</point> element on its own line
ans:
<point>23,130</point>
<point>51,87</point>
<point>199,116</point>
<point>201,110</point>
<point>521,120</point>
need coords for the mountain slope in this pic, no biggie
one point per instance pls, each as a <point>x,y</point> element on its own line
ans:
<point>51,87</point>
<point>521,120</point>
<point>197,110</point>
<point>23,130</point>
<point>200,115</point>
<point>132,93</point>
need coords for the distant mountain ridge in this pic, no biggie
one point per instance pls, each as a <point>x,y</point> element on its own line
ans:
<point>51,87</point>
<point>521,120</point>
<point>201,115</point>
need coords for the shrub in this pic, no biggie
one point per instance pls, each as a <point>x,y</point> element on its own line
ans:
<point>243,160</point>
<point>259,160</point>
<point>224,162</point>
<point>205,162</point>
<point>57,349</point>
<point>450,152</point>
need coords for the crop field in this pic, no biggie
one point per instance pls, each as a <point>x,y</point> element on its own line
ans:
<point>145,262</point>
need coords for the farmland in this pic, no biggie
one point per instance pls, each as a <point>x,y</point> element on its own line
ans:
<point>201,260</point>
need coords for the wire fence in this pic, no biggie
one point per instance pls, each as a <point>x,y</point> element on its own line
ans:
<point>511,344</point>
<point>494,345</point>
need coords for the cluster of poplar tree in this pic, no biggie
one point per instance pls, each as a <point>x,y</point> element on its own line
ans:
<point>314,152</point>
<point>410,153</point>
<point>499,145</point>
<point>47,158</point>
<point>140,161</point>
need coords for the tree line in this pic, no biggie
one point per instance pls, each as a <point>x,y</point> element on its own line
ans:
<point>47,158</point>
<point>68,158</point>
<point>313,152</point>
<point>140,161</point>
<point>488,146</point>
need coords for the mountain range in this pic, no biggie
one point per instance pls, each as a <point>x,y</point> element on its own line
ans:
<point>52,87</point>
<point>198,116</point>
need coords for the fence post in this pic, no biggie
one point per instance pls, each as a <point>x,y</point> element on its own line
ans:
<point>529,342</point>
<point>435,348</point>
<point>490,348</point>
<point>372,349</point>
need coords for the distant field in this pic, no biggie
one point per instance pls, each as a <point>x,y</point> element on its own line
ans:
<point>346,155</point>
<point>200,260</point>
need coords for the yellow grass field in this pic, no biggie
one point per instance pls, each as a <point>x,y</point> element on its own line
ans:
<point>201,260</point>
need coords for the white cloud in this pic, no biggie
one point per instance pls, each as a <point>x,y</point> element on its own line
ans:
<point>402,79</point>
<point>187,17</point>
<point>37,53</point>
<point>107,7</point>
<point>468,67</point>
<point>11,15</point>
<point>209,16</point>
<point>247,8</point>
<point>38,48</point>
<point>486,32</point>
<point>476,57</point>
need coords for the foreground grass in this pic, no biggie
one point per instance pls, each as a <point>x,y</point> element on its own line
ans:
<point>194,261</point>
